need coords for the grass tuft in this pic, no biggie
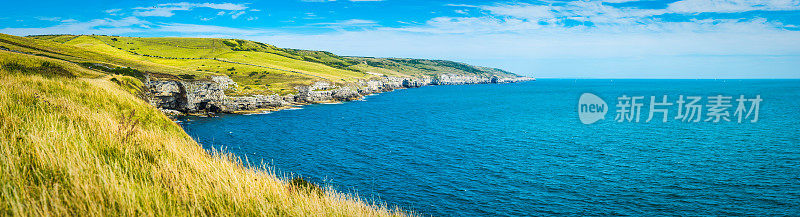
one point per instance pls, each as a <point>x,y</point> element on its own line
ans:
<point>299,184</point>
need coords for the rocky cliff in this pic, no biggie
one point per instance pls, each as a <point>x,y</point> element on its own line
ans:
<point>178,96</point>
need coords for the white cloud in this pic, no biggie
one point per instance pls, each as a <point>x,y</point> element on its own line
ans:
<point>311,16</point>
<point>463,25</point>
<point>580,11</point>
<point>523,11</point>
<point>726,6</point>
<point>222,6</point>
<point>236,15</point>
<point>352,23</point>
<point>603,15</point>
<point>132,25</point>
<point>166,9</point>
<point>732,6</point>
<point>208,29</point>
<point>593,16</point>
<point>96,26</point>
<point>113,12</point>
<point>54,19</point>
<point>155,12</point>
<point>355,22</point>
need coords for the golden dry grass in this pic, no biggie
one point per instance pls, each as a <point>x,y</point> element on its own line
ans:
<point>84,146</point>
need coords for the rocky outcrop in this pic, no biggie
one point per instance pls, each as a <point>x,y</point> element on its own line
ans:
<point>248,103</point>
<point>166,94</point>
<point>224,82</point>
<point>209,95</point>
<point>450,79</point>
<point>186,96</point>
<point>324,92</point>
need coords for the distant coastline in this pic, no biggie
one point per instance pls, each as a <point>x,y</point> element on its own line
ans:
<point>177,98</point>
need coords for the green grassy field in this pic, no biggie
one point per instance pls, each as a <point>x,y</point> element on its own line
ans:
<point>82,55</point>
<point>79,142</point>
<point>258,68</point>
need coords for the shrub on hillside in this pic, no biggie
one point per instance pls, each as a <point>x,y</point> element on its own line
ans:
<point>186,76</point>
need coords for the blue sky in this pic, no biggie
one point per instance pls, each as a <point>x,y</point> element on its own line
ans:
<point>566,39</point>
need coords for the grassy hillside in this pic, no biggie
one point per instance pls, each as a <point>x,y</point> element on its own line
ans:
<point>423,67</point>
<point>80,55</point>
<point>258,68</point>
<point>78,142</point>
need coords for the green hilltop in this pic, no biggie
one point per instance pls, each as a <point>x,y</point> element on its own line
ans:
<point>256,67</point>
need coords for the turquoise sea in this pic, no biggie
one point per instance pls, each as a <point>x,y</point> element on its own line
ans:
<point>520,149</point>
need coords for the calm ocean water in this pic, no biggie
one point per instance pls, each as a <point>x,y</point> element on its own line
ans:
<point>520,149</point>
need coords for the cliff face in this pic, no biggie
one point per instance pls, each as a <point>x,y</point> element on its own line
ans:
<point>188,96</point>
<point>209,96</point>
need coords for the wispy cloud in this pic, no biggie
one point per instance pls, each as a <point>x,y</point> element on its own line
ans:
<point>311,16</point>
<point>350,22</point>
<point>53,19</point>
<point>167,9</point>
<point>597,16</point>
<point>237,14</point>
<point>133,25</point>
<point>183,28</point>
<point>96,26</point>
<point>113,12</point>
<point>732,6</point>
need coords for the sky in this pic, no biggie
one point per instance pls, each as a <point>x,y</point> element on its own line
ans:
<point>545,39</point>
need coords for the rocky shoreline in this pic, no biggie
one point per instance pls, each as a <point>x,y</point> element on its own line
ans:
<point>178,97</point>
